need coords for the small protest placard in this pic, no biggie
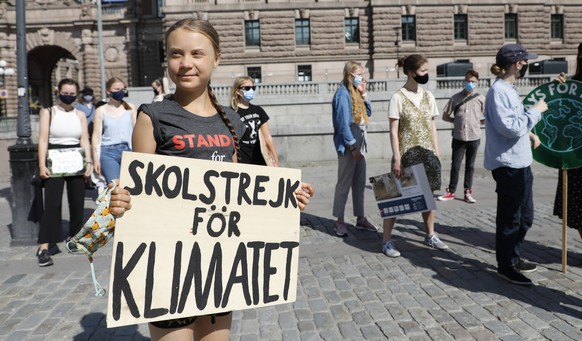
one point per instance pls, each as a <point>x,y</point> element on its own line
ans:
<point>66,161</point>
<point>409,194</point>
<point>202,237</point>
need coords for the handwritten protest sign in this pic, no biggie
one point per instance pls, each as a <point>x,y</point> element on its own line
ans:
<point>202,237</point>
<point>409,194</point>
<point>66,161</point>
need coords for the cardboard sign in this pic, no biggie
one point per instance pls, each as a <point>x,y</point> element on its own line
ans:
<point>409,194</point>
<point>560,130</point>
<point>66,161</point>
<point>202,237</point>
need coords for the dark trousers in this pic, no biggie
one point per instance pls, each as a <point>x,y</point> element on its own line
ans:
<point>51,226</point>
<point>515,213</point>
<point>468,149</point>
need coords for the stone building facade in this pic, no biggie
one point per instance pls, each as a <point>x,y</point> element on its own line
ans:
<point>280,41</point>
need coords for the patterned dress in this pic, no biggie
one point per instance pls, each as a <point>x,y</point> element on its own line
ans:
<point>574,198</point>
<point>415,139</point>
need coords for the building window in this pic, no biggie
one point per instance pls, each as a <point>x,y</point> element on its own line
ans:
<point>557,26</point>
<point>352,30</point>
<point>304,73</point>
<point>461,27</point>
<point>408,28</point>
<point>252,33</point>
<point>255,73</point>
<point>302,32</point>
<point>511,26</point>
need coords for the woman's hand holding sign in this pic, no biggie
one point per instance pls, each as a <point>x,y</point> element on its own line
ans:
<point>120,200</point>
<point>303,194</point>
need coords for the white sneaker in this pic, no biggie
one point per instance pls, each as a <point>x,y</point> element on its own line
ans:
<point>434,242</point>
<point>390,250</point>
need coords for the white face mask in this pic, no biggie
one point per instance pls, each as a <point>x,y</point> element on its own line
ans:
<point>357,80</point>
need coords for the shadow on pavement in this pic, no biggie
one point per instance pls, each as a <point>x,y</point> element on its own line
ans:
<point>467,273</point>
<point>473,275</point>
<point>6,193</point>
<point>95,329</point>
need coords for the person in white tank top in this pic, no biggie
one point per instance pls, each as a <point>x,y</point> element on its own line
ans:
<point>61,126</point>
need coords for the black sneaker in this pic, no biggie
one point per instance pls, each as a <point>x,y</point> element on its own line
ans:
<point>514,277</point>
<point>43,258</point>
<point>53,249</point>
<point>525,267</point>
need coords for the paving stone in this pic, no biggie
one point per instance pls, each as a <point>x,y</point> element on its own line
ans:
<point>347,289</point>
<point>349,330</point>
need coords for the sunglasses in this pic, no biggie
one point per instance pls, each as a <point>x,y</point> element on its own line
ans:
<point>247,88</point>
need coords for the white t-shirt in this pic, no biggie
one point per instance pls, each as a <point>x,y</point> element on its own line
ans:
<point>395,106</point>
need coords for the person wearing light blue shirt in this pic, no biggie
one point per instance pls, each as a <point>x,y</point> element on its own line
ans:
<point>508,156</point>
<point>350,111</point>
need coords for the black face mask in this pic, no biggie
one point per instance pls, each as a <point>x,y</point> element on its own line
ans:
<point>67,99</point>
<point>421,79</point>
<point>523,70</point>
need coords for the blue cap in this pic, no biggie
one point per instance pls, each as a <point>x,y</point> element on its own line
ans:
<point>513,53</point>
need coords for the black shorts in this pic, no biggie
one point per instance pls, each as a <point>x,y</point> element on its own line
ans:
<point>183,322</point>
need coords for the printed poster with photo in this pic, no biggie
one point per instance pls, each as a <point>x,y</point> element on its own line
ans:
<point>409,194</point>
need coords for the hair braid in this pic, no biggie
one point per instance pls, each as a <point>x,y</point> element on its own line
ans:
<point>226,121</point>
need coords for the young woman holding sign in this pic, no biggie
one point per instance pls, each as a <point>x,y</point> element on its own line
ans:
<point>61,126</point>
<point>413,138</point>
<point>193,53</point>
<point>508,156</point>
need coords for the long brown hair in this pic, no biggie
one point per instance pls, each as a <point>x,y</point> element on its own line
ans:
<point>359,112</point>
<point>238,81</point>
<point>205,28</point>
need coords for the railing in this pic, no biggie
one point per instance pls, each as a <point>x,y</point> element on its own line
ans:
<point>374,86</point>
<point>484,83</point>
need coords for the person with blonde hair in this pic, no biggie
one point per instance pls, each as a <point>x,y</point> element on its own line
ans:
<point>508,155</point>
<point>255,120</point>
<point>350,111</point>
<point>112,129</point>
<point>193,53</point>
<point>413,137</point>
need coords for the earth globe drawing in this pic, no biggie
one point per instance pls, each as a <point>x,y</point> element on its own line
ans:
<point>560,129</point>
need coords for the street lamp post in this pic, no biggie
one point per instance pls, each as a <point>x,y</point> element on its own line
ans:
<point>4,71</point>
<point>23,154</point>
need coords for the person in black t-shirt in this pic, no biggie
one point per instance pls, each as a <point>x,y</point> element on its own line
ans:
<point>193,51</point>
<point>257,129</point>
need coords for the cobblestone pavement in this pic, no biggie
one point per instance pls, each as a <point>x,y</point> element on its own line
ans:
<point>347,289</point>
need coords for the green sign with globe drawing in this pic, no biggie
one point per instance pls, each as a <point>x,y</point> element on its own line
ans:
<point>560,130</point>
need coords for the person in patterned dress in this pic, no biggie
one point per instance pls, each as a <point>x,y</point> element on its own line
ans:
<point>574,175</point>
<point>412,112</point>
